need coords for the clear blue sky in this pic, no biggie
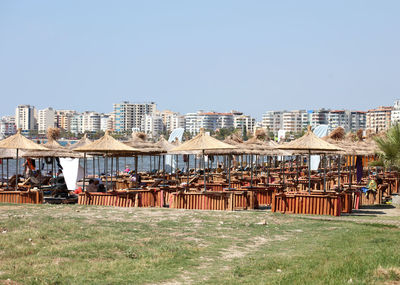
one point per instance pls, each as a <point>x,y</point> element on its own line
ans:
<point>188,55</point>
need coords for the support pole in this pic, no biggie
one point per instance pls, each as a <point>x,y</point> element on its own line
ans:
<point>251,171</point>
<point>229,177</point>
<point>324,172</point>
<point>8,176</point>
<point>106,169</point>
<point>309,171</point>
<point>16,175</point>
<point>84,171</point>
<point>339,163</point>
<point>205,179</point>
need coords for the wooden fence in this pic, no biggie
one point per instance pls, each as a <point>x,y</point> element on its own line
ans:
<point>303,203</point>
<point>129,198</point>
<point>21,197</point>
<point>233,200</point>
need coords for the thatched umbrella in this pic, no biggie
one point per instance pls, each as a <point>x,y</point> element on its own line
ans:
<point>82,142</point>
<point>202,142</point>
<point>6,154</point>
<point>139,141</point>
<point>17,142</point>
<point>311,144</point>
<point>106,145</point>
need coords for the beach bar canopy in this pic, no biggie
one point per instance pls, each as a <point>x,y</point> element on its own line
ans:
<point>17,142</point>
<point>82,142</point>
<point>108,146</point>
<point>310,143</point>
<point>202,142</point>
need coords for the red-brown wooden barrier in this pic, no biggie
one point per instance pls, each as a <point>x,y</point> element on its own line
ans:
<point>233,200</point>
<point>262,196</point>
<point>130,198</point>
<point>371,198</point>
<point>347,202</point>
<point>303,203</point>
<point>21,197</point>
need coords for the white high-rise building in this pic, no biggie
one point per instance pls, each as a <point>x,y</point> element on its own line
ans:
<point>91,122</point>
<point>25,118</point>
<point>76,124</point>
<point>153,125</point>
<point>106,122</point>
<point>7,126</point>
<point>192,124</point>
<point>319,117</point>
<point>46,119</point>
<point>171,120</point>
<point>339,118</point>
<point>273,121</point>
<point>294,121</point>
<point>63,119</point>
<point>358,120</point>
<point>379,119</point>
<point>395,115</point>
<point>130,116</point>
<point>210,121</point>
<point>244,122</point>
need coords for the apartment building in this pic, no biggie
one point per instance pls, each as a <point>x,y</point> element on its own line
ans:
<point>7,126</point>
<point>46,119</point>
<point>379,119</point>
<point>130,116</point>
<point>153,125</point>
<point>273,121</point>
<point>26,118</point>
<point>294,121</point>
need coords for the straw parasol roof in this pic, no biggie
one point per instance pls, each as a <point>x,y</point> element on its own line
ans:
<point>202,142</point>
<point>9,153</point>
<point>82,142</point>
<point>311,143</point>
<point>166,145</point>
<point>18,141</point>
<point>139,141</point>
<point>257,145</point>
<point>352,144</point>
<point>54,149</point>
<point>233,140</point>
<point>107,144</point>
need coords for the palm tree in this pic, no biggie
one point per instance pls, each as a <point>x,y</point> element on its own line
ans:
<point>390,147</point>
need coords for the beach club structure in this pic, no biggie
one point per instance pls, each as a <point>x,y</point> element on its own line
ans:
<point>310,175</point>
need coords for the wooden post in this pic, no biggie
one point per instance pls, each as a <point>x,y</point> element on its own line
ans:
<point>8,176</point>
<point>251,170</point>
<point>84,171</point>
<point>188,173</point>
<point>309,171</point>
<point>324,172</point>
<point>229,174</point>
<point>98,166</point>
<point>205,188</point>
<point>2,172</point>
<point>339,164</point>
<point>16,175</point>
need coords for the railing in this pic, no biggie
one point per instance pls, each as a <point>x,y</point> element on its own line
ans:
<point>21,197</point>
<point>303,203</point>
<point>235,200</point>
<point>130,198</point>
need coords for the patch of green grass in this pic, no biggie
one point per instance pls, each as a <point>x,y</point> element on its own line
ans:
<point>72,244</point>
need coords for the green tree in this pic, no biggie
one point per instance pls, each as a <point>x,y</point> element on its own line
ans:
<point>389,146</point>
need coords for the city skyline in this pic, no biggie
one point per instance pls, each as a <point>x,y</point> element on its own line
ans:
<point>129,117</point>
<point>257,117</point>
<point>189,56</point>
